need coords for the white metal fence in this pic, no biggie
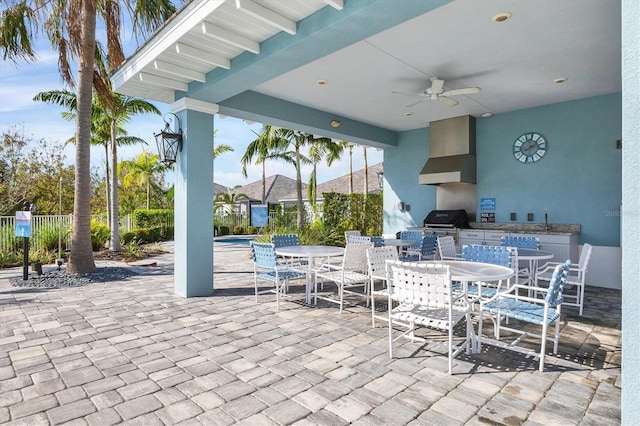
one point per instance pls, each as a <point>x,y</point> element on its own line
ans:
<point>47,231</point>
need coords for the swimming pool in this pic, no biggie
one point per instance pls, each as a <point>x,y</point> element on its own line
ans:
<point>233,240</point>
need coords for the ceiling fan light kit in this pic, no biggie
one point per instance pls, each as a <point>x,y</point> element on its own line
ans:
<point>437,93</point>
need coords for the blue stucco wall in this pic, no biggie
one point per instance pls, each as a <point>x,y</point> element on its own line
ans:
<point>578,181</point>
<point>401,168</point>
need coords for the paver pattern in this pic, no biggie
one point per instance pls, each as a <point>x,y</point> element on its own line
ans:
<point>133,352</point>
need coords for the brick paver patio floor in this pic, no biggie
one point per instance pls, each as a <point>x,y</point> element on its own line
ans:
<point>133,352</point>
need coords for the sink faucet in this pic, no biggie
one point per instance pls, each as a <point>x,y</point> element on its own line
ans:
<point>546,223</point>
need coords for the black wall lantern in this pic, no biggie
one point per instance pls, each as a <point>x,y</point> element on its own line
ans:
<point>169,143</point>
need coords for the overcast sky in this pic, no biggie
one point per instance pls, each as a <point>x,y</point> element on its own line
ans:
<point>20,83</point>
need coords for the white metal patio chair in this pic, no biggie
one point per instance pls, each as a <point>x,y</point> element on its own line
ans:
<point>511,303</point>
<point>447,248</point>
<point>266,267</point>
<point>575,277</point>
<point>376,259</point>
<point>424,299</point>
<point>426,249</point>
<point>285,240</point>
<point>352,273</point>
<point>496,255</point>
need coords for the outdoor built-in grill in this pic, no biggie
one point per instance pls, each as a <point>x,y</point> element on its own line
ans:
<point>445,222</point>
<point>446,219</point>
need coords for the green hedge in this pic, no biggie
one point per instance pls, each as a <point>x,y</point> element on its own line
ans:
<point>148,235</point>
<point>353,211</point>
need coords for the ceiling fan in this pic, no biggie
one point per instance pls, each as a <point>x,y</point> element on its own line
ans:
<point>437,92</point>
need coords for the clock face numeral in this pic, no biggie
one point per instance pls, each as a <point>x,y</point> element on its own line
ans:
<point>529,147</point>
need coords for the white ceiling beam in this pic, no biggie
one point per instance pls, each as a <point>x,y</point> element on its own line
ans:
<point>336,4</point>
<point>170,33</point>
<point>193,105</point>
<point>163,82</point>
<point>179,71</point>
<point>230,37</point>
<point>267,16</point>
<point>203,56</point>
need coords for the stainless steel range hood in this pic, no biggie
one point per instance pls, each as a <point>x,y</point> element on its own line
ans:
<point>452,152</point>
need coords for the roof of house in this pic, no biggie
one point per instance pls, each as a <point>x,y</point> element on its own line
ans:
<point>341,184</point>
<point>217,188</point>
<point>277,186</point>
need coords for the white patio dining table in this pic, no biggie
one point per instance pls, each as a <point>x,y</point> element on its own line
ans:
<point>311,252</point>
<point>466,271</point>
<point>533,256</point>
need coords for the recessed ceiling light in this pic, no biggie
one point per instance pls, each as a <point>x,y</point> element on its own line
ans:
<point>560,80</point>
<point>335,123</point>
<point>408,113</point>
<point>502,17</point>
<point>487,114</point>
<point>321,82</point>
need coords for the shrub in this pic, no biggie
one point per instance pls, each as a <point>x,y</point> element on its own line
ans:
<point>42,256</point>
<point>252,230</point>
<point>238,230</point>
<point>47,237</point>
<point>9,259</point>
<point>100,234</point>
<point>224,230</point>
<point>132,251</point>
<point>153,218</point>
<point>148,235</point>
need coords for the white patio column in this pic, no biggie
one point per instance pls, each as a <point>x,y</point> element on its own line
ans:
<point>193,200</point>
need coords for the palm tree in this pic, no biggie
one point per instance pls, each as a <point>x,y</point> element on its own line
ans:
<point>70,25</point>
<point>221,149</point>
<point>262,148</point>
<point>101,132</point>
<point>228,200</point>
<point>295,141</point>
<point>322,149</point>
<point>141,172</point>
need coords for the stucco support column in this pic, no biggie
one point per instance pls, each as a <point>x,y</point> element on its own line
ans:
<point>193,199</point>
<point>630,211</point>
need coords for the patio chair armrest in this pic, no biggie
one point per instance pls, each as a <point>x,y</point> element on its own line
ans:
<point>548,266</point>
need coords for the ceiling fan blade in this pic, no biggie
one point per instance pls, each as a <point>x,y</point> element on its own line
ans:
<point>437,85</point>
<point>448,101</point>
<point>416,103</point>
<point>465,91</point>
<point>409,93</point>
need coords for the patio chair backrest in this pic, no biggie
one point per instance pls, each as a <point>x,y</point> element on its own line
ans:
<point>377,258</point>
<point>355,257</point>
<point>446,247</point>
<point>358,239</point>
<point>285,240</point>
<point>556,286</point>
<point>264,254</point>
<point>520,242</point>
<point>429,245</point>
<point>497,255</point>
<point>349,233</point>
<point>585,255</point>
<point>377,240</point>
<point>412,235</point>
<point>419,284</point>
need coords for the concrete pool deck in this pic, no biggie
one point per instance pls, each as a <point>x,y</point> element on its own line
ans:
<point>132,352</point>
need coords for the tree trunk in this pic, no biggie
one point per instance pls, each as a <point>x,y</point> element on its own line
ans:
<point>366,173</point>
<point>264,184</point>
<point>299,189</point>
<point>106,183</point>
<point>81,259</point>
<point>115,214</point>
<point>350,169</point>
<point>148,193</point>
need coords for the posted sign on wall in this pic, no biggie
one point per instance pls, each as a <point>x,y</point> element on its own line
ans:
<point>23,224</point>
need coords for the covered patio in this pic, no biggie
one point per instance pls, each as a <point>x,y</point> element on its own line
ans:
<point>133,351</point>
<point>568,71</point>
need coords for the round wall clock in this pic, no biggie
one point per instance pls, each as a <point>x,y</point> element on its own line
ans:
<point>530,147</point>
